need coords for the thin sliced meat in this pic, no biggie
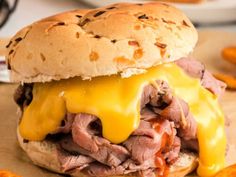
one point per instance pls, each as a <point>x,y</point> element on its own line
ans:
<point>66,124</point>
<point>192,67</point>
<point>132,166</point>
<point>82,133</point>
<point>109,154</point>
<point>212,84</point>
<point>128,167</point>
<point>147,114</point>
<point>196,69</point>
<point>190,145</point>
<point>161,115</point>
<point>175,111</point>
<point>156,96</point>
<point>163,104</point>
<point>145,142</point>
<point>147,173</point>
<point>178,112</point>
<point>99,148</point>
<point>189,131</point>
<point>145,133</point>
<point>98,169</point>
<point>69,161</point>
<point>172,154</point>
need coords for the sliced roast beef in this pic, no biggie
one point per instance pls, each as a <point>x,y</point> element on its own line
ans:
<point>189,130</point>
<point>149,147</point>
<point>174,111</point>
<point>82,133</point>
<point>69,161</point>
<point>212,84</point>
<point>66,124</point>
<point>146,169</point>
<point>156,96</point>
<point>132,166</point>
<point>147,173</point>
<point>97,147</point>
<point>147,114</point>
<point>146,141</point>
<point>173,152</point>
<point>190,145</point>
<point>192,67</point>
<point>98,169</point>
<point>109,154</point>
<point>163,105</point>
<point>129,167</point>
<point>150,144</point>
<point>196,69</point>
<point>178,111</point>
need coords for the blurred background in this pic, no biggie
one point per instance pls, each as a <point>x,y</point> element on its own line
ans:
<point>207,14</point>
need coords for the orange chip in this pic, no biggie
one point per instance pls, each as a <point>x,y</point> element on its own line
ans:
<point>4,173</point>
<point>229,54</point>
<point>227,172</point>
<point>228,79</point>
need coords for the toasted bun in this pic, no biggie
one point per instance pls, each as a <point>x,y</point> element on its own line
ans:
<point>121,38</point>
<point>44,154</point>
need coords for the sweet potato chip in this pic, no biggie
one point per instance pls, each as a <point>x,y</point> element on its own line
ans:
<point>5,173</point>
<point>228,79</point>
<point>229,54</point>
<point>227,172</point>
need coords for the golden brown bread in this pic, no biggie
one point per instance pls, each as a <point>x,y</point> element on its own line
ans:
<point>120,38</point>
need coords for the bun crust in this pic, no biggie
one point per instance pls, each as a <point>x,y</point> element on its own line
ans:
<point>44,154</point>
<point>121,38</point>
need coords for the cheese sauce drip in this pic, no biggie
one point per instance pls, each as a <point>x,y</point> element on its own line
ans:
<point>116,101</point>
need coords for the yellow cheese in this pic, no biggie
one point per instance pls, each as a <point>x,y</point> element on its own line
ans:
<point>116,101</point>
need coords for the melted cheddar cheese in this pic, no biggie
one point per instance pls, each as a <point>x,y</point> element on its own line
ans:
<point>116,101</point>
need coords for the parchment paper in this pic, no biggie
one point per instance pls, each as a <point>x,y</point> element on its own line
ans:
<point>208,49</point>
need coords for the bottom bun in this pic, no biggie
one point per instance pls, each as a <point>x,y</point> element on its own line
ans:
<point>44,154</point>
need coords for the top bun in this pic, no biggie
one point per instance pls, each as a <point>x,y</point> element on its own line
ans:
<point>121,38</point>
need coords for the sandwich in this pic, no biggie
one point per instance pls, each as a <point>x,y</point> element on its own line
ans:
<point>112,91</point>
